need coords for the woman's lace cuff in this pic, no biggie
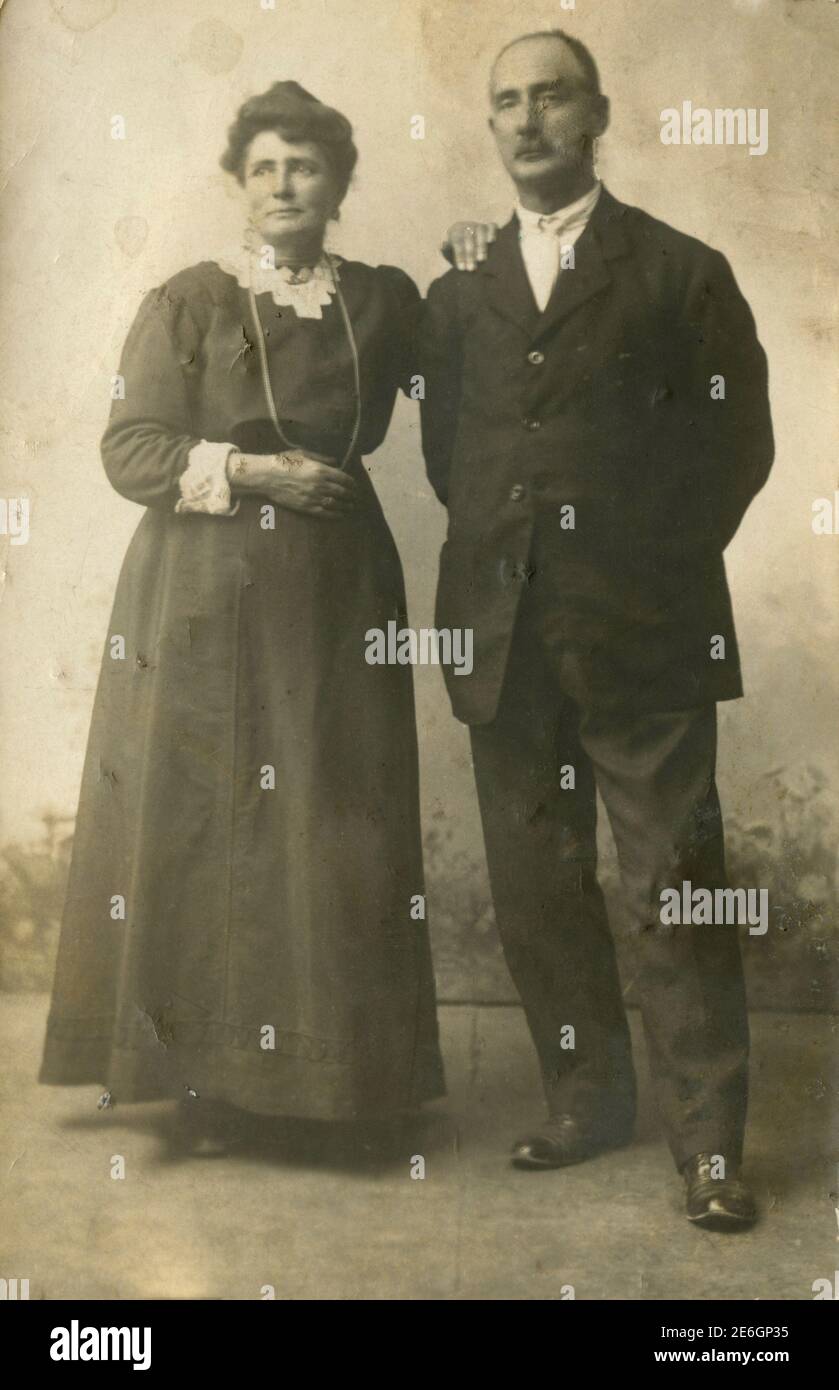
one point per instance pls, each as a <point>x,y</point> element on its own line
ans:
<point>205,486</point>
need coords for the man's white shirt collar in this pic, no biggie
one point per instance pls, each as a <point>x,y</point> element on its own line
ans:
<point>574,215</point>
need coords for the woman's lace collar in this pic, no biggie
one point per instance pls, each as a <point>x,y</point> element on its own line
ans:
<point>306,292</point>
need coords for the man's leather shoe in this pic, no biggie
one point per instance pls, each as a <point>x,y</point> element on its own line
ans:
<point>718,1204</point>
<point>565,1139</point>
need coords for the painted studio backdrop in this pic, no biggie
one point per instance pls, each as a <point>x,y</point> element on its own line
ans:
<point>91,222</point>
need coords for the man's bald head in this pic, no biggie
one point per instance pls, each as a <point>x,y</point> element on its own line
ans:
<point>583,55</point>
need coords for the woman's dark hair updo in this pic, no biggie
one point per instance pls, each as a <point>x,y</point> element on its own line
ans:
<point>295,114</point>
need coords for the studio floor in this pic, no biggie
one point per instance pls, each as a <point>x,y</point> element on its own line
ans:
<point>341,1224</point>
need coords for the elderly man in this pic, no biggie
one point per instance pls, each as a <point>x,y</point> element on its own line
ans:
<point>596,421</point>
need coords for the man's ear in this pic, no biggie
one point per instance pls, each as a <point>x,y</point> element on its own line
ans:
<point>601,115</point>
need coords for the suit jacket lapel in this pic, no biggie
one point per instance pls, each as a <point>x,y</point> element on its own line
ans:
<point>602,241</point>
<point>508,288</point>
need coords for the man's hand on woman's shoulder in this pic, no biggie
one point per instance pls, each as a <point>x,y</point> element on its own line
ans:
<point>467,243</point>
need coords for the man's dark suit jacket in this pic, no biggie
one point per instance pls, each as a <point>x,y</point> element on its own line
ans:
<point>603,404</point>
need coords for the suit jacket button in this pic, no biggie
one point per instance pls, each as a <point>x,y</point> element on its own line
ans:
<point>530,424</point>
<point>535,358</point>
<point>516,493</point>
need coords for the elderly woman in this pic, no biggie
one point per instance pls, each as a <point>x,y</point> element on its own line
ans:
<point>245,914</point>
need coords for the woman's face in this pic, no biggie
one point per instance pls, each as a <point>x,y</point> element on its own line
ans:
<point>291,189</point>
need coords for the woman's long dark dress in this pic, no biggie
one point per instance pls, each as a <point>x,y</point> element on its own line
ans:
<point>268,956</point>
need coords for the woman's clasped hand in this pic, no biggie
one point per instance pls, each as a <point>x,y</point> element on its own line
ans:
<point>296,480</point>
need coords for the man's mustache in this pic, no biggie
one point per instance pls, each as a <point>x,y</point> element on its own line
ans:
<point>571,145</point>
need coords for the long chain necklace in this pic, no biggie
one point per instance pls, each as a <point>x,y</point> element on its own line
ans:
<point>263,360</point>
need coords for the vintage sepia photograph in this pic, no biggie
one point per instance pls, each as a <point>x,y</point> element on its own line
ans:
<point>419,842</point>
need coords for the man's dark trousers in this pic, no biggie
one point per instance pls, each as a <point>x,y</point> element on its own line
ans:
<point>655,774</point>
